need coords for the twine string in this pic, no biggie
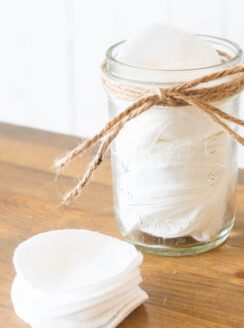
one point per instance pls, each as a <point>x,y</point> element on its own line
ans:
<point>184,94</point>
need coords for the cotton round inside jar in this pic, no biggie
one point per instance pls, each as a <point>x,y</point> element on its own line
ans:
<point>174,168</point>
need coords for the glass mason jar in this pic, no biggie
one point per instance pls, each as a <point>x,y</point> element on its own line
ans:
<point>174,169</point>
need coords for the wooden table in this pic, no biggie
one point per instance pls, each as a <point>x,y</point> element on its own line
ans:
<point>205,291</point>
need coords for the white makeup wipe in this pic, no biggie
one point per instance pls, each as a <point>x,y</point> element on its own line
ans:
<point>72,278</point>
<point>36,303</point>
<point>89,317</point>
<point>117,315</point>
<point>63,260</point>
<point>59,301</point>
<point>158,46</point>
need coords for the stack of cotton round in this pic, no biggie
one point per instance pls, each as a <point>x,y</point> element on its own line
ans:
<point>76,278</point>
<point>172,167</point>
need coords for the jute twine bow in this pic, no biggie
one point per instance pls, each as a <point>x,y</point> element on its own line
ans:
<point>183,94</point>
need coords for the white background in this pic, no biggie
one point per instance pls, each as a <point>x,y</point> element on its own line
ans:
<point>50,52</point>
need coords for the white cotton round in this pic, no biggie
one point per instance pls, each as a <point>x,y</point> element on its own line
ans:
<point>166,47</point>
<point>176,191</point>
<point>93,318</point>
<point>72,278</point>
<point>118,317</point>
<point>163,126</point>
<point>65,300</point>
<point>82,315</point>
<point>63,260</point>
<point>54,305</point>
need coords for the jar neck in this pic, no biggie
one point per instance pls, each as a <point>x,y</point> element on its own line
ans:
<point>161,77</point>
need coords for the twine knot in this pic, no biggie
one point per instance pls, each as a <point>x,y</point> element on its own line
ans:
<point>167,97</point>
<point>191,93</point>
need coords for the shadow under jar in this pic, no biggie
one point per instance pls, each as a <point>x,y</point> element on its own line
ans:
<point>174,169</point>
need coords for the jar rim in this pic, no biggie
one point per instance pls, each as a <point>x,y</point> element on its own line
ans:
<point>217,40</point>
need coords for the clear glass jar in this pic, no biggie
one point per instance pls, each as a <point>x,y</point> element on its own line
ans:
<point>174,169</point>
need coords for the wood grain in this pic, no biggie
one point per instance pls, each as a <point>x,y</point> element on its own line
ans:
<point>198,291</point>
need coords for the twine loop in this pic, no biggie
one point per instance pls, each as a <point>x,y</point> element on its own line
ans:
<point>194,93</point>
